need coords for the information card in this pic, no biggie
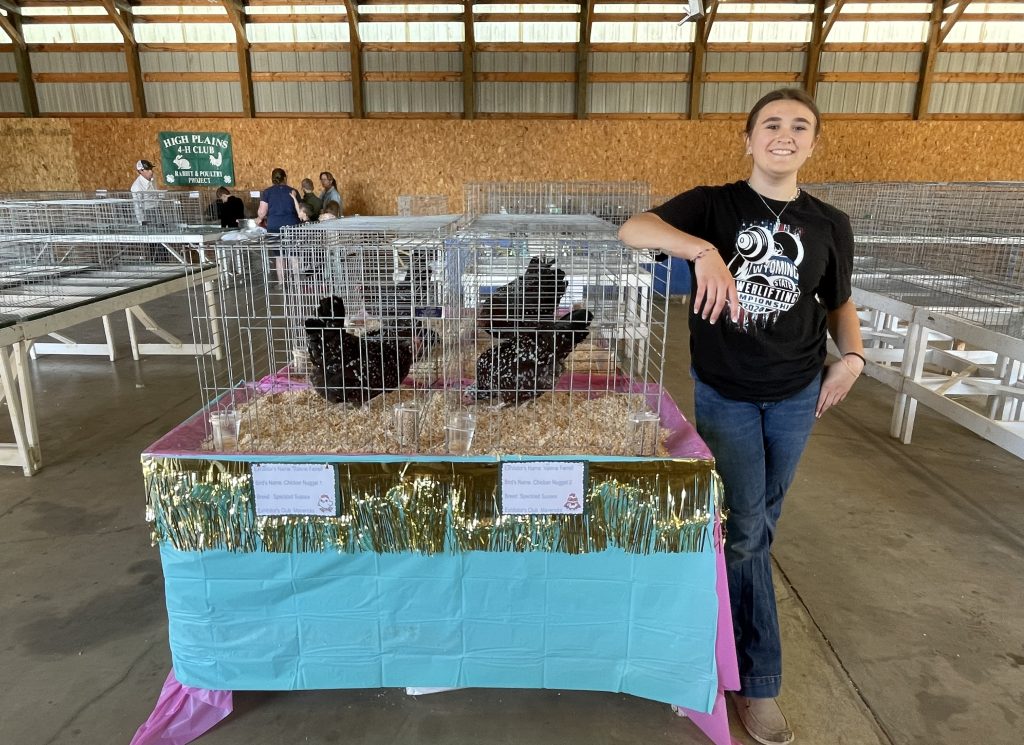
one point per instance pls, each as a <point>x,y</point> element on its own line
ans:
<point>295,489</point>
<point>543,487</point>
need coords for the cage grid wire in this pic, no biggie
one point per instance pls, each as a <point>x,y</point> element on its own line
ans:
<point>614,201</point>
<point>388,329</point>
<point>103,212</point>
<point>955,248</point>
<point>410,205</point>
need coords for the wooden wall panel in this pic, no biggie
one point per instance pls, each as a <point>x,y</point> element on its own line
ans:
<point>376,160</point>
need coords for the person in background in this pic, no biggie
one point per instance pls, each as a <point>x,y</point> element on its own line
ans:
<point>771,272</point>
<point>330,192</point>
<point>310,198</point>
<point>146,200</point>
<point>277,207</point>
<point>331,211</point>
<point>230,209</point>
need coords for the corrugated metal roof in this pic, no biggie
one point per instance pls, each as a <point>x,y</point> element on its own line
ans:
<point>524,61</point>
<point>416,61</point>
<point>639,62</point>
<point>407,97</point>
<point>302,97</point>
<point>866,98</point>
<point>185,33</point>
<point>258,33</point>
<point>639,98</point>
<point>10,98</point>
<point>83,97</point>
<point>78,62</point>
<point>194,97</point>
<point>870,61</point>
<point>8,63</point>
<point>297,61</point>
<point>995,98</point>
<point>744,61</point>
<point>197,61</point>
<point>979,62</point>
<point>540,98</point>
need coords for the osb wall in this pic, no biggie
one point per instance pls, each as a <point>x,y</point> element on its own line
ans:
<point>374,161</point>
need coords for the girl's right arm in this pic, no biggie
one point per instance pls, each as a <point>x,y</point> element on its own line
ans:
<point>716,287</point>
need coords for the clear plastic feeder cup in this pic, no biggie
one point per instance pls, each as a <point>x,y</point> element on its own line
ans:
<point>406,420</point>
<point>645,433</point>
<point>459,432</point>
<point>225,425</point>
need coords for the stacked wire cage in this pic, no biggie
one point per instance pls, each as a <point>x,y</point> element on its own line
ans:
<point>955,248</point>
<point>523,334</point>
<point>410,205</point>
<point>59,253</point>
<point>612,201</point>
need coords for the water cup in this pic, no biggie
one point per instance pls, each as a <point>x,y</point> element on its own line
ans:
<point>644,433</point>
<point>406,421</point>
<point>225,425</point>
<point>459,432</point>
<point>300,360</point>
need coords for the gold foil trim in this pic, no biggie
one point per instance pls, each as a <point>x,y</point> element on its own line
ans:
<point>661,505</point>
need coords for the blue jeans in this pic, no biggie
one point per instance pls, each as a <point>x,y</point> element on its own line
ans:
<point>757,447</point>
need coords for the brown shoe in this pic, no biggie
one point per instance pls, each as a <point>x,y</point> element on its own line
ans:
<point>764,720</point>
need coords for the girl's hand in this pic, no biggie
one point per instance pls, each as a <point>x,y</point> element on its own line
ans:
<point>716,288</point>
<point>839,379</point>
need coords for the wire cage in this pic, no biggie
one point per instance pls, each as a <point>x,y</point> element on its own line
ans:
<point>422,204</point>
<point>417,335</point>
<point>106,212</point>
<point>40,274</point>
<point>614,201</point>
<point>955,248</point>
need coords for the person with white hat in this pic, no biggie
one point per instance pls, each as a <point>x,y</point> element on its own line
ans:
<point>144,183</point>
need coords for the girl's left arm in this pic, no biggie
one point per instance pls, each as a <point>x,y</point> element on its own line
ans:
<point>844,327</point>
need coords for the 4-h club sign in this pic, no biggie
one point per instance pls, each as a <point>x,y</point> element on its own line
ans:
<point>197,158</point>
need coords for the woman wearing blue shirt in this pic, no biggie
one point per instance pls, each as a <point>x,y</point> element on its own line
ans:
<point>278,208</point>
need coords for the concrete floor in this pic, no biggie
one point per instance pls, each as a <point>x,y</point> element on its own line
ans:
<point>900,586</point>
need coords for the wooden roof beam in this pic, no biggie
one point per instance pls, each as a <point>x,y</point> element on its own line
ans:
<point>813,61</point>
<point>961,6</point>
<point>124,26</point>
<point>833,16</point>
<point>701,34</point>
<point>23,63</point>
<point>924,78</point>
<point>355,47</point>
<point>236,14</point>
<point>583,57</point>
<point>11,7</point>
<point>468,63</point>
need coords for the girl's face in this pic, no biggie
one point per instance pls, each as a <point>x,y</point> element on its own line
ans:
<point>325,182</point>
<point>782,138</point>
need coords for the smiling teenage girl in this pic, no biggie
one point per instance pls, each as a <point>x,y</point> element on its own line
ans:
<point>771,270</point>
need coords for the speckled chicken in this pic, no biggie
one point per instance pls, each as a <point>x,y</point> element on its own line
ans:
<point>354,369</point>
<point>527,365</point>
<point>528,299</point>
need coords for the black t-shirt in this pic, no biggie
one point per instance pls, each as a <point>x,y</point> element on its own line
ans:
<point>789,272</point>
<point>230,212</point>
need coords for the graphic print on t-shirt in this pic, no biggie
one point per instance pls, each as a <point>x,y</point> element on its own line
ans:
<point>766,271</point>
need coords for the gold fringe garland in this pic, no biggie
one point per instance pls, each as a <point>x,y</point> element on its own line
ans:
<point>661,505</point>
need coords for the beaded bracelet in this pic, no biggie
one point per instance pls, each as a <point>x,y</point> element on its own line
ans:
<point>704,252</point>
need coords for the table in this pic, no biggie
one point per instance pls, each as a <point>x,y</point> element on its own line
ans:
<point>630,598</point>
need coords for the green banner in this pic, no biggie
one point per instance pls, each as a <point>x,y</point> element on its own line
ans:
<point>197,158</point>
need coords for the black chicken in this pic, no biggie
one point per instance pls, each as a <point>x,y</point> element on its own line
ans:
<point>527,299</point>
<point>529,364</point>
<point>355,369</point>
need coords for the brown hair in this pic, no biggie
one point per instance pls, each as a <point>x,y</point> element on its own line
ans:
<point>222,191</point>
<point>784,94</point>
<point>333,207</point>
<point>278,176</point>
<point>329,175</point>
